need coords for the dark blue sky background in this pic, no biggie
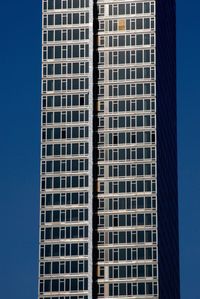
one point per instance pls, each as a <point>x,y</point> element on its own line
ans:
<point>20,56</point>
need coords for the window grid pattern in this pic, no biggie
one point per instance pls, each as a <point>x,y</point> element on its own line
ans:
<point>126,185</point>
<point>65,150</point>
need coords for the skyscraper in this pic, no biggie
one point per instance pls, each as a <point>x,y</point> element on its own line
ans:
<point>109,204</point>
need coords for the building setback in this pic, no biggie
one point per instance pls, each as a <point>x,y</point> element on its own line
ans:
<point>109,203</point>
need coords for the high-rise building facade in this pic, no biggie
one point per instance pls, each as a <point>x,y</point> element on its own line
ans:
<point>109,204</point>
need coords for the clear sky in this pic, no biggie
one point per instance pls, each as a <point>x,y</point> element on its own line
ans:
<point>20,57</point>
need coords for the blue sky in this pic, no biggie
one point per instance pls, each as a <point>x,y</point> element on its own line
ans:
<point>20,56</point>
